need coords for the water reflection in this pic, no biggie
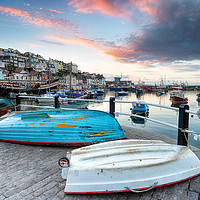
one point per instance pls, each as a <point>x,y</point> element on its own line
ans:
<point>161,114</point>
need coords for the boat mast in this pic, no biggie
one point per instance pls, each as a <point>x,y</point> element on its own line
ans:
<point>29,70</point>
<point>49,76</point>
<point>10,73</point>
<point>70,81</point>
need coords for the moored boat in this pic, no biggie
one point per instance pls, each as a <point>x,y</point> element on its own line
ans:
<point>179,99</point>
<point>127,165</point>
<point>160,93</point>
<point>139,108</point>
<point>16,89</point>
<point>122,93</point>
<point>57,127</point>
<point>176,91</point>
<point>5,106</point>
<point>177,96</point>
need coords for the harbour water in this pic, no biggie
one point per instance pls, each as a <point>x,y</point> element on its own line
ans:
<point>157,113</point>
<point>161,114</point>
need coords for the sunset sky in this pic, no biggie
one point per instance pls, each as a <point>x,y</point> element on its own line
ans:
<point>139,39</point>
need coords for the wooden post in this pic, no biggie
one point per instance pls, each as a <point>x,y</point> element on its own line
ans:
<point>112,106</point>
<point>17,102</point>
<point>183,123</point>
<point>56,102</point>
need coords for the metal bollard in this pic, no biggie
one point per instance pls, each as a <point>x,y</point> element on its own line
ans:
<point>183,123</point>
<point>112,106</point>
<point>56,102</point>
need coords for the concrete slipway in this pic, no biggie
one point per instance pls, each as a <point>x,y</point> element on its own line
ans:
<point>32,172</point>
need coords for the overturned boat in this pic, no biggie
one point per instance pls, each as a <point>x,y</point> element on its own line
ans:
<point>58,127</point>
<point>127,165</point>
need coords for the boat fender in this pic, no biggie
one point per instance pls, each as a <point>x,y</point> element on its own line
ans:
<point>138,191</point>
<point>63,162</point>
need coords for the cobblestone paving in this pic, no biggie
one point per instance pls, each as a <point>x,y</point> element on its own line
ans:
<point>32,172</point>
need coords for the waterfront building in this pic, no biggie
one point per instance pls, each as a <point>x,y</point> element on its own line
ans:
<point>20,67</point>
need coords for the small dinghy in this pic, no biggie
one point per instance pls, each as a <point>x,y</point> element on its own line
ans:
<point>127,165</point>
<point>58,127</point>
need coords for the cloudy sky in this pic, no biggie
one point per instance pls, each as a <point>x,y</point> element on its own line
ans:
<point>139,39</point>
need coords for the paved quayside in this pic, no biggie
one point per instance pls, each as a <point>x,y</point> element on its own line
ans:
<point>32,172</point>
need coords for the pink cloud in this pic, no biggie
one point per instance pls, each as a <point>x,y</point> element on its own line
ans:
<point>104,6</point>
<point>112,8</point>
<point>31,45</point>
<point>78,41</point>
<point>39,21</point>
<point>119,53</point>
<point>55,11</point>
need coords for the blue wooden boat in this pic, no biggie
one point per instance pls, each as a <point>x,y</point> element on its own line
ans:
<point>57,127</point>
<point>139,108</point>
<point>66,93</point>
<point>160,93</point>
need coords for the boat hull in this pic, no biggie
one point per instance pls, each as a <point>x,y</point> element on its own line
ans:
<point>4,110</point>
<point>176,99</point>
<point>56,127</point>
<point>128,165</point>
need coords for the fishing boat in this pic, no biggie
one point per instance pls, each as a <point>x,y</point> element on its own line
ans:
<point>176,91</point>
<point>66,93</point>
<point>122,93</point>
<point>5,106</point>
<point>177,96</point>
<point>141,109</point>
<point>139,90</point>
<point>58,127</point>
<point>127,165</point>
<point>47,98</point>
<point>179,99</point>
<point>160,93</point>
<point>6,89</point>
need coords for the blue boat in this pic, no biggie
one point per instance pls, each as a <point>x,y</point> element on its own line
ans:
<point>160,93</point>
<point>66,93</point>
<point>58,127</point>
<point>139,108</point>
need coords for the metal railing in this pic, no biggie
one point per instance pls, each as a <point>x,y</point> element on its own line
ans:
<point>183,121</point>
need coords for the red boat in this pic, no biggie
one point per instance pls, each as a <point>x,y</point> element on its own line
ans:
<point>179,99</point>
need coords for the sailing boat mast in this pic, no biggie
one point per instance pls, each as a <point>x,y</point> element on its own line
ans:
<point>49,76</point>
<point>70,81</point>
<point>30,69</point>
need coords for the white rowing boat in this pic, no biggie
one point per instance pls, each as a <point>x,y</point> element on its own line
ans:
<point>127,165</point>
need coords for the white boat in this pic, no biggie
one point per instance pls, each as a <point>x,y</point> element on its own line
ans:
<point>127,165</point>
<point>50,98</point>
<point>177,92</point>
<point>122,93</point>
